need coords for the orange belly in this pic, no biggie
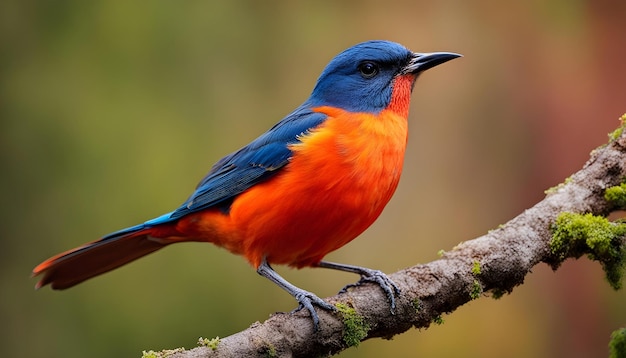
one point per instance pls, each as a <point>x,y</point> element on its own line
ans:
<point>341,176</point>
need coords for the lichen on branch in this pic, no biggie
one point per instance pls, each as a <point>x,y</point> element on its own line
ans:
<point>601,240</point>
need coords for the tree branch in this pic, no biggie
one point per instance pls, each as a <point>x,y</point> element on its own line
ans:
<point>496,262</point>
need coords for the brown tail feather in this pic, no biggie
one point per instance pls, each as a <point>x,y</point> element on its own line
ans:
<point>77,265</point>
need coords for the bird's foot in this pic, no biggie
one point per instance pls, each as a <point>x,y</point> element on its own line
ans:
<point>306,300</point>
<point>381,279</point>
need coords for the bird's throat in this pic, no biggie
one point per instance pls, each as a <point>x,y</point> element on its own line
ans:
<point>401,94</point>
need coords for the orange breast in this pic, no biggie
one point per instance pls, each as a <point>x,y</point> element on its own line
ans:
<point>341,176</point>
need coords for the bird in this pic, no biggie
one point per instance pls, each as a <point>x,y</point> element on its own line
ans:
<point>306,187</point>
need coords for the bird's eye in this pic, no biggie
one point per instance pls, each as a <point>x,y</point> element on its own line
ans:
<point>368,69</point>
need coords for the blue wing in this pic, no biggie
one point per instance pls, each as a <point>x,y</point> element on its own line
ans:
<point>251,164</point>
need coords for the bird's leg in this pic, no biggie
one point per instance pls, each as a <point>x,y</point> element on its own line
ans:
<point>305,298</point>
<point>367,275</point>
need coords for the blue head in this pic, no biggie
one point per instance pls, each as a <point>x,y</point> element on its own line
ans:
<point>360,79</point>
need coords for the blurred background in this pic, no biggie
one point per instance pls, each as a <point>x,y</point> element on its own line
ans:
<point>112,111</point>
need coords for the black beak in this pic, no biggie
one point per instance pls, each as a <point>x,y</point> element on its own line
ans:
<point>421,62</point>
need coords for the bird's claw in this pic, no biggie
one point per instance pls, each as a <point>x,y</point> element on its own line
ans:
<point>386,284</point>
<point>307,300</point>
